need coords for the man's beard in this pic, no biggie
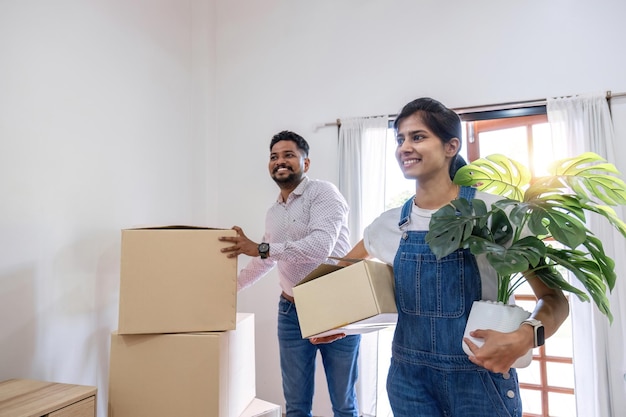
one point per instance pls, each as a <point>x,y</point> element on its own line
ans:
<point>289,181</point>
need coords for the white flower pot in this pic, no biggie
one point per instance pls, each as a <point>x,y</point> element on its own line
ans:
<point>491,315</point>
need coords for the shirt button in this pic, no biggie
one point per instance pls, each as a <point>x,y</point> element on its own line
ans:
<point>510,394</point>
<point>506,375</point>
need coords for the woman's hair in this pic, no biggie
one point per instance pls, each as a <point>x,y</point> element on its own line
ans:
<point>442,121</point>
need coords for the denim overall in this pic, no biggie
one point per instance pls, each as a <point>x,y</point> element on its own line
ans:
<point>430,375</point>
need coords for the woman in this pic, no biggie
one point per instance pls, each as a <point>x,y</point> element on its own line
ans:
<point>430,375</point>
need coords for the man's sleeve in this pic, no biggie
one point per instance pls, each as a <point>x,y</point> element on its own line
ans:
<point>254,271</point>
<point>328,214</point>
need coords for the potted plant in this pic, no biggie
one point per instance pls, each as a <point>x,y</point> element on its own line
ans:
<point>516,234</point>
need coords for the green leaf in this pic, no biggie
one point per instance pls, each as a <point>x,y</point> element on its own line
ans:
<point>565,228</point>
<point>563,202</point>
<point>495,174</point>
<point>561,221</point>
<point>518,211</point>
<point>609,214</point>
<point>519,257</point>
<point>587,272</point>
<point>605,263</point>
<point>501,228</point>
<point>590,175</point>
<point>550,275</point>
<point>447,230</point>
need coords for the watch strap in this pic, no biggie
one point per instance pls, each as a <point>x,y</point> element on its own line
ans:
<point>538,331</point>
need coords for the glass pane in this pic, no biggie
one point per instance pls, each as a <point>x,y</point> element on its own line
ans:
<point>527,305</point>
<point>525,289</point>
<point>543,154</point>
<point>530,374</point>
<point>560,343</point>
<point>561,405</point>
<point>560,374</point>
<point>510,142</point>
<point>531,401</point>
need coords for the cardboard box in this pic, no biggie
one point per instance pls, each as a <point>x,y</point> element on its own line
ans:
<point>355,299</point>
<point>260,408</point>
<point>175,279</point>
<point>183,374</point>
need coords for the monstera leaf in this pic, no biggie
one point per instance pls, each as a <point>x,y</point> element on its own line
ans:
<point>588,272</point>
<point>609,214</point>
<point>455,224</point>
<point>496,174</point>
<point>587,176</point>
<point>521,256</point>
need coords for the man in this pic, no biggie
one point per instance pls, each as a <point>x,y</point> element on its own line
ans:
<point>306,225</point>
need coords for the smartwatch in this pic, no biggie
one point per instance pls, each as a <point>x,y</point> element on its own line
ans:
<point>538,330</point>
<point>264,250</point>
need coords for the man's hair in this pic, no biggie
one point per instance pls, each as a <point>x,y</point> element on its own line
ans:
<point>294,137</point>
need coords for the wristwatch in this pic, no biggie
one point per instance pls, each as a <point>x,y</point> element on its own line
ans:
<point>264,250</point>
<point>538,329</point>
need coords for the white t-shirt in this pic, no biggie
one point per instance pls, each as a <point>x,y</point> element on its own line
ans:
<point>382,239</point>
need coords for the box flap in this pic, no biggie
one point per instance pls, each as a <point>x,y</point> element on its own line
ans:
<point>325,269</point>
<point>320,271</point>
<point>175,227</point>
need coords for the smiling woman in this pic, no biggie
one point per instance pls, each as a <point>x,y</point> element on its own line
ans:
<point>431,320</point>
<point>418,157</point>
<point>527,138</point>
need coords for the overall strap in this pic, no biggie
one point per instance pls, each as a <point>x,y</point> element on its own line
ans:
<point>405,214</point>
<point>467,193</point>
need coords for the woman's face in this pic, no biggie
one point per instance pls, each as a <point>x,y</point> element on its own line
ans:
<point>420,153</point>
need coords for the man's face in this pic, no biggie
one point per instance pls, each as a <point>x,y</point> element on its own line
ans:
<point>287,163</point>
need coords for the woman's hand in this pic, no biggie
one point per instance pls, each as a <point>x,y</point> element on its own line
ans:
<point>500,350</point>
<point>327,339</point>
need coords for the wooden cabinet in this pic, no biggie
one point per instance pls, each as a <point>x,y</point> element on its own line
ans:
<point>31,398</point>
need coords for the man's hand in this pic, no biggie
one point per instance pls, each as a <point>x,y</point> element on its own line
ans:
<point>241,244</point>
<point>327,339</point>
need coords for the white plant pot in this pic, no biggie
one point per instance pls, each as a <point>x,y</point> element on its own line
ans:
<point>491,315</point>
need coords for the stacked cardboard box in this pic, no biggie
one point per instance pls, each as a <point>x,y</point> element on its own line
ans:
<point>180,348</point>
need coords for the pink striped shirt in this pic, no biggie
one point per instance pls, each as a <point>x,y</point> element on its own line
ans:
<point>302,232</point>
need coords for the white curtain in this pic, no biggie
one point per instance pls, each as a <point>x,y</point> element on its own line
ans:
<point>580,124</point>
<point>362,145</point>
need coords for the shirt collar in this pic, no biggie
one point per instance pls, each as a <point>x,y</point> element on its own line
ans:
<point>299,190</point>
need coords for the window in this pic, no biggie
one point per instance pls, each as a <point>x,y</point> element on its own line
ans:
<point>547,385</point>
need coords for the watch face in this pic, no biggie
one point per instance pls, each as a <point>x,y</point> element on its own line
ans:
<point>540,335</point>
<point>264,247</point>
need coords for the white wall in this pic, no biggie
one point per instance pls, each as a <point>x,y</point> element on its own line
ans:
<point>117,113</point>
<point>106,110</point>
<point>294,64</point>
